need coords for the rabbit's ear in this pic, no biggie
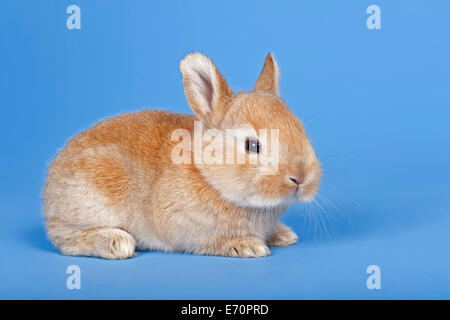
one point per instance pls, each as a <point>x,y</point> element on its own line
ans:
<point>269,77</point>
<point>206,90</point>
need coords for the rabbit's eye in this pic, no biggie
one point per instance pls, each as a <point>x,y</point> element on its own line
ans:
<point>252,145</point>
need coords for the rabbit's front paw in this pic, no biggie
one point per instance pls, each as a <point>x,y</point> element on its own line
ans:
<point>249,247</point>
<point>282,236</point>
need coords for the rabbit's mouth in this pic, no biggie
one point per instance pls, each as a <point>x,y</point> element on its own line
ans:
<point>303,189</point>
<point>306,193</point>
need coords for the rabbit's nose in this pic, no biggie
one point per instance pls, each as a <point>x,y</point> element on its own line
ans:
<point>295,180</point>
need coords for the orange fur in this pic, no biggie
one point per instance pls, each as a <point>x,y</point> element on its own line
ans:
<point>114,186</point>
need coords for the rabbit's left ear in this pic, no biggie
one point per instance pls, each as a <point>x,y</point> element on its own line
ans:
<point>206,90</point>
<point>269,77</point>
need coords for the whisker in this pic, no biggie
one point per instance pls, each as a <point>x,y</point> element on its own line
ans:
<point>327,169</point>
<point>334,155</point>
<point>321,217</point>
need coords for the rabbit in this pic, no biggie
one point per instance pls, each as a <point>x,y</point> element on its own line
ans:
<point>114,188</point>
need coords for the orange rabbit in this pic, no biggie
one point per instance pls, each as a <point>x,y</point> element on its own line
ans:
<point>115,188</point>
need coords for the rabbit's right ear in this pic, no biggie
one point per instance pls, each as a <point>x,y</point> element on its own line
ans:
<point>206,90</point>
<point>269,77</point>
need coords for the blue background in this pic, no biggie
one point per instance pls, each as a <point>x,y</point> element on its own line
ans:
<point>375,102</point>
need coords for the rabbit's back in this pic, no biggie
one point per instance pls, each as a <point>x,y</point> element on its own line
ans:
<point>143,136</point>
